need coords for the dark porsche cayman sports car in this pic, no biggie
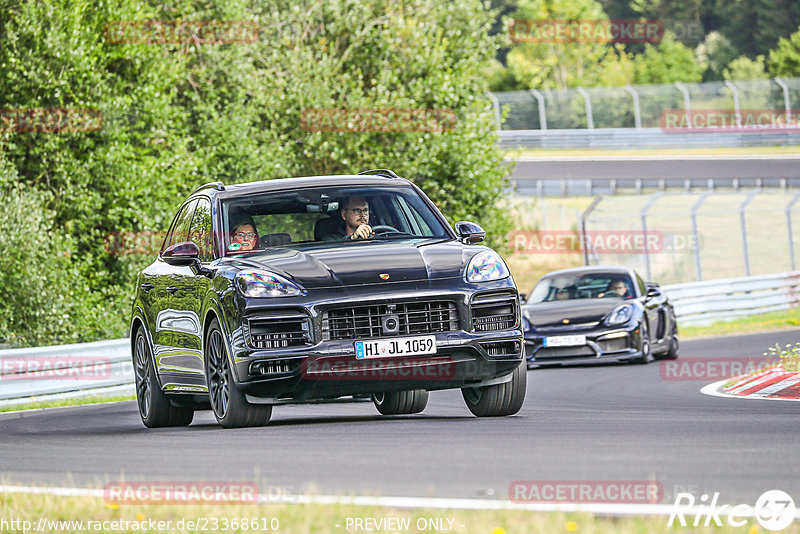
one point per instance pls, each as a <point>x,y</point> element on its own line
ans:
<point>595,314</point>
<point>307,289</point>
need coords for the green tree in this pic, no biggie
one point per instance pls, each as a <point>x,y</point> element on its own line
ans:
<point>785,59</point>
<point>715,53</point>
<point>744,68</point>
<point>668,62</point>
<point>581,62</point>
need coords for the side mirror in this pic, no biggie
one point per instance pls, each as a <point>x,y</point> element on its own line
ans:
<point>182,254</point>
<point>469,232</point>
<point>653,292</point>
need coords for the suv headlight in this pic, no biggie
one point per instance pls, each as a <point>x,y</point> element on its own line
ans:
<point>622,314</point>
<point>486,266</point>
<point>255,283</point>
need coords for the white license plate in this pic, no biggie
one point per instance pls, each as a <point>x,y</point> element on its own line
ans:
<point>564,341</point>
<point>401,346</point>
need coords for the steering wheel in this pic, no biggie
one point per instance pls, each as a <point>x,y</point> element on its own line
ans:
<point>384,229</point>
<point>610,294</point>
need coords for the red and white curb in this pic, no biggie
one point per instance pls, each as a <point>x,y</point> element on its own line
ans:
<point>771,384</point>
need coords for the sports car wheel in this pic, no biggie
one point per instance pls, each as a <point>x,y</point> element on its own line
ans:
<point>674,347</point>
<point>647,354</point>
<point>500,399</point>
<point>401,402</point>
<point>228,403</point>
<point>154,406</point>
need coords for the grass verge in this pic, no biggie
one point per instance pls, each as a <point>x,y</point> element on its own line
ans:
<point>315,518</point>
<point>67,402</point>
<point>780,320</point>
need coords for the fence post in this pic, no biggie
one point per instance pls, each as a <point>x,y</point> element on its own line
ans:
<point>645,209</point>
<point>496,104</point>
<point>542,112</point>
<point>743,222</point>
<point>584,216</point>
<point>786,104</point>
<point>687,103</point>
<point>587,101</point>
<point>637,112</point>
<point>696,234</point>
<point>736,111</point>
<point>791,203</point>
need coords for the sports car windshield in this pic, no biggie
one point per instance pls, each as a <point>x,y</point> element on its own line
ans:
<point>329,215</point>
<point>572,287</point>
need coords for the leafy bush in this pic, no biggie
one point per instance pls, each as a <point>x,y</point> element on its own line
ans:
<point>785,59</point>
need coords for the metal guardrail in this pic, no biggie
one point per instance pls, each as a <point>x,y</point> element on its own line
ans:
<point>630,138</point>
<point>64,371</point>
<point>698,303</point>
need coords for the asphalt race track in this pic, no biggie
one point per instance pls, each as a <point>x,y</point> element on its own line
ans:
<point>598,423</point>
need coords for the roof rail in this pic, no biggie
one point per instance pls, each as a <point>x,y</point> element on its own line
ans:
<point>381,172</point>
<point>219,186</point>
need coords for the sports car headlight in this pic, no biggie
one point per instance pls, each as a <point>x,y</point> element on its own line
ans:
<point>621,314</point>
<point>486,266</point>
<point>266,284</point>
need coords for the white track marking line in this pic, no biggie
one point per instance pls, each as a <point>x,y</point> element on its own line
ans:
<point>417,502</point>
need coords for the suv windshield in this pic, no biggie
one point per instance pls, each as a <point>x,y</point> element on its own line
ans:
<point>593,286</point>
<point>330,215</point>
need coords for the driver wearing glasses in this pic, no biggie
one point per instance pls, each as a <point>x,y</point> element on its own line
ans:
<point>243,236</point>
<point>355,213</point>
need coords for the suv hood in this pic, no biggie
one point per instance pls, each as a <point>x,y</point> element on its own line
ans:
<point>358,263</point>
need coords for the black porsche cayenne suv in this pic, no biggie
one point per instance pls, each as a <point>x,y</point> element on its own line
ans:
<point>303,289</point>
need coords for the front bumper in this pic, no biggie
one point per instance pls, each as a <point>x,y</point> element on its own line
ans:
<point>329,368</point>
<point>606,344</point>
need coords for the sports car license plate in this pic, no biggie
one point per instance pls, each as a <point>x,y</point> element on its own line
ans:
<point>564,341</point>
<point>401,346</point>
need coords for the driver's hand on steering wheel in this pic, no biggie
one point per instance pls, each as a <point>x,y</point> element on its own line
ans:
<point>362,232</point>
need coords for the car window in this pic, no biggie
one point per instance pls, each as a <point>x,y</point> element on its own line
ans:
<point>642,285</point>
<point>316,215</point>
<point>200,232</point>
<point>179,231</point>
<point>592,286</point>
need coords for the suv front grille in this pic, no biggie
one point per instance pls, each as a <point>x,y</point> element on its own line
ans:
<point>496,311</point>
<point>279,331</point>
<point>359,322</point>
